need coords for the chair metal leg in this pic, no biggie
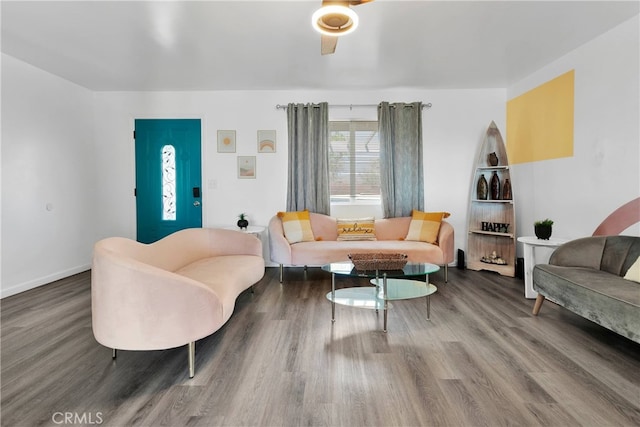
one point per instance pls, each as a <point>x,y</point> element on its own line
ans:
<point>114,353</point>
<point>192,359</point>
<point>281,272</point>
<point>446,273</point>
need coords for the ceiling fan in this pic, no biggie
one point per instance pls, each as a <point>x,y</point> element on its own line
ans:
<point>335,19</point>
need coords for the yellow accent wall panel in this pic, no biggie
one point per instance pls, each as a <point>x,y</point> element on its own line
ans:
<point>540,122</point>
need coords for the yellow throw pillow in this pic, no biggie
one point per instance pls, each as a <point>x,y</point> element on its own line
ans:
<point>634,271</point>
<point>297,226</point>
<point>356,229</point>
<point>425,226</point>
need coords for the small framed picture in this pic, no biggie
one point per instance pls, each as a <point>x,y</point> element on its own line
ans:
<point>226,141</point>
<point>246,167</point>
<point>266,141</point>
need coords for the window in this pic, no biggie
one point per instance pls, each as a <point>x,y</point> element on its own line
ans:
<point>168,183</point>
<point>354,161</point>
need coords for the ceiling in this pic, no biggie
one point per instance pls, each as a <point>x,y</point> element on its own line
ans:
<point>235,45</point>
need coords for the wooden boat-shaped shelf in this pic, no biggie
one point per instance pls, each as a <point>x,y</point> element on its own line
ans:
<point>489,246</point>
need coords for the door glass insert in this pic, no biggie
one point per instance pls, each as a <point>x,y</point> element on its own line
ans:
<point>168,183</point>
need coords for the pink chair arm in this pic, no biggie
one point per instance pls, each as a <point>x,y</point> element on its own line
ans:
<point>446,242</point>
<point>279,247</point>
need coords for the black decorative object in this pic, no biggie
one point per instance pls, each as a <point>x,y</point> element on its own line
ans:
<point>495,186</point>
<point>520,268</point>
<point>543,232</point>
<point>496,227</point>
<point>483,188</point>
<point>461,264</point>
<point>543,229</point>
<point>492,159</point>
<point>242,222</point>
<point>506,190</point>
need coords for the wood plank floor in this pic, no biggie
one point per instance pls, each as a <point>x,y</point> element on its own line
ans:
<point>482,360</point>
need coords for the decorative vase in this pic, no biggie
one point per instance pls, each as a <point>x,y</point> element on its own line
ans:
<point>243,223</point>
<point>493,159</point>
<point>543,232</point>
<point>495,187</point>
<point>506,190</point>
<point>482,188</point>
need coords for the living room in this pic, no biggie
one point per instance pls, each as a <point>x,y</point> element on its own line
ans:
<point>68,163</point>
<point>52,125</point>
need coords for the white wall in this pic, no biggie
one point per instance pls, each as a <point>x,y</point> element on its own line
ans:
<point>579,192</point>
<point>453,128</point>
<point>48,198</point>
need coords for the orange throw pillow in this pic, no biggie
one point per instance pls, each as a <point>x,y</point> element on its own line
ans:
<point>425,226</point>
<point>297,226</point>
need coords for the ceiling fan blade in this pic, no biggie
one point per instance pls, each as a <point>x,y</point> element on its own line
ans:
<point>345,2</point>
<point>328,44</point>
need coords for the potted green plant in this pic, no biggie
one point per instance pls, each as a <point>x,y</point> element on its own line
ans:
<point>242,222</point>
<point>543,229</point>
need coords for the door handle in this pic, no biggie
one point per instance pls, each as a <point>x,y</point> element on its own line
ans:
<point>196,203</point>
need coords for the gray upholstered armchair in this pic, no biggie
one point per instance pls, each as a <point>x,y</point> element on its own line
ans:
<point>586,276</point>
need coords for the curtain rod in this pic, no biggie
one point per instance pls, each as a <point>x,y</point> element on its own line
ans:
<point>350,106</point>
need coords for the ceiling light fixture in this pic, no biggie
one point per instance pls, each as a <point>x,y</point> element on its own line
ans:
<point>334,20</point>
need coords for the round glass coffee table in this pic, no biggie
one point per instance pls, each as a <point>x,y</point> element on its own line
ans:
<point>388,285</point>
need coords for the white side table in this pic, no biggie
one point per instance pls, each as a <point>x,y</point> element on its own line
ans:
<point>256,230</point>
<point>529,244</point>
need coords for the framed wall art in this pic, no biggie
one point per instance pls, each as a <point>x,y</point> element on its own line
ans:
<point>226,141</point>
<point>246,167</point>
<point>266,141</point>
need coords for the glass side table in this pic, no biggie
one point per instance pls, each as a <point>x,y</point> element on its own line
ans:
<point>388,285</point>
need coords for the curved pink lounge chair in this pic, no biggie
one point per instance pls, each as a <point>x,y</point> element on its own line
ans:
<point>172,292</point>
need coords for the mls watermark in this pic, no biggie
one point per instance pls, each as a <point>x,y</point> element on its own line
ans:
<point>70,418</point>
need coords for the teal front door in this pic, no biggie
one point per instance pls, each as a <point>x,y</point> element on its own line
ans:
<point>168,177</point>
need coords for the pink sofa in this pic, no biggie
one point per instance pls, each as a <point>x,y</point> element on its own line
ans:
<point>172,292</point>
<point>390,234</point>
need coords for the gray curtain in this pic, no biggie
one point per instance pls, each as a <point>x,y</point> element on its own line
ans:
<point>401,166</point>
<point>308,179</point>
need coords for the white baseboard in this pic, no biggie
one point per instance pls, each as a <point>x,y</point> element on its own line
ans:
<point>16,289</point>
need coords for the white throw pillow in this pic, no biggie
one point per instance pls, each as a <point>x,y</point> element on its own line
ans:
<point>634,271</point>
